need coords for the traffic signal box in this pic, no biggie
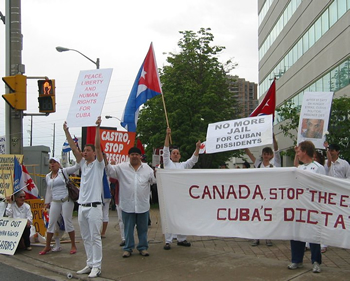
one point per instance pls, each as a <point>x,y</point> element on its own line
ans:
<point>47,103</point>
<point>17,98</point>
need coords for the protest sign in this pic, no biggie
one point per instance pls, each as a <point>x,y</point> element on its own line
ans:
<point>6,173</point>
<point>37,206</point>
<point>10,234</point>
<point>238,134</point>
<point>281,203</point>
<point>116,144</point>
<point>89,96</point>
<point>314,117</point>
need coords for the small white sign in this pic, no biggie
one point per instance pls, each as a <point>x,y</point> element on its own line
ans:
<point>314,117</point>
<point>239,134</point>
<point>10,234</point>
<point>89,97</point>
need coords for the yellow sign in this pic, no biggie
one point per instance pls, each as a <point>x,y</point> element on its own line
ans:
<point>37,206</point>
<point>6,173</point>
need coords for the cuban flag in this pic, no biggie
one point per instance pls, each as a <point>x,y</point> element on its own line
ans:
<point>66,148</point>
<point>146,86</point>
<point>268,104</point>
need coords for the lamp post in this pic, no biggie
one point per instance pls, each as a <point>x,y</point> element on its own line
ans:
<point>63,49</point>
<point>109,117</point>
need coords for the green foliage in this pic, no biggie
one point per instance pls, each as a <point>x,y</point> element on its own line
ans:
<point>338,128</point>
<point>196,93</point>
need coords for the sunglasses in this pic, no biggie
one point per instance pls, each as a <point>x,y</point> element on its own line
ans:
<point>21,197</point>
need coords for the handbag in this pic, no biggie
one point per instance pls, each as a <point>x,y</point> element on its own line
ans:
<point>73,191</point>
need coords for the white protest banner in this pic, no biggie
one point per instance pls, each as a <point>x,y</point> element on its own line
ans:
<point>89,96</point>
<point>10,233</point>
<point>281,203</point>
<point>314,117</point>
<point>238,134</point>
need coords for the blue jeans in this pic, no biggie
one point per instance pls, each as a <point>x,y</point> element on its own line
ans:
<point>141,222</point>
<point>298,249</point>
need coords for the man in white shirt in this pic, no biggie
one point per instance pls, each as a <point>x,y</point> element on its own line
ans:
<point>90,200</point>
<point>305,152</point>
<point>172,161</point>
<point>134,178</point>
<point>336,167</point>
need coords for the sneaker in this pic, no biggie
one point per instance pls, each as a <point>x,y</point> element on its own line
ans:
<point>256,242</point>
<point>268,243</point>
<point>126,254</point>
<point>56,249</point>
<point>85,270</point>
<point>122,243</point>
<point>294,265</point>
<point>95,272</point>
<point>29,248</point>
<point>167,246</point>
<point>144,253</point>
<point>184,243</point>
<point>316,268</point>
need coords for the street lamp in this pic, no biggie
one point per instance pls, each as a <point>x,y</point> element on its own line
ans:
<point>109,117</point>
<point>62,49</point>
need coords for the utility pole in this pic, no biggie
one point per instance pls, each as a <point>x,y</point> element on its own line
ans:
<point>13,118</point>
<point>53,141</point>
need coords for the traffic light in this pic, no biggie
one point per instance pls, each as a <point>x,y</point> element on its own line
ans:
<point>17,98</point>
<point>47,103</point>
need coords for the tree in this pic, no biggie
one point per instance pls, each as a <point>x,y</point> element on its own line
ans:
<point>196,93</point>
<point>338,127</point>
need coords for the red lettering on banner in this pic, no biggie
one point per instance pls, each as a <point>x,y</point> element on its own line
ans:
<point>291,193</point>
<point>243,214</point>
<point>309,217</point>
<point>241,190</point>
<point>190,191</point>
<point>340,220</point>
<point>342,200</point>
<point>322,197</point>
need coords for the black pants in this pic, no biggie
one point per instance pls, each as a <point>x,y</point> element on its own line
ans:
<point>25,236</point>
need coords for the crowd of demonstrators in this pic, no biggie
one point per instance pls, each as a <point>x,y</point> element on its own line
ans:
<point>269,159</point>
<point>90,200</point>
<point>135,179</point>
<point>18,209</point>
<point>304,153</point>
<point>171,160</point>
<point>58,201</point>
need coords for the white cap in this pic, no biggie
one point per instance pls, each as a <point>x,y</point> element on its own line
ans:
<point>55,159</point>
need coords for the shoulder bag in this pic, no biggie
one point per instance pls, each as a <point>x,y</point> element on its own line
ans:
<point>73,191</point>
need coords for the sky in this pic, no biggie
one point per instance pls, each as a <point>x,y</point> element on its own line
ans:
<point>119,34</point>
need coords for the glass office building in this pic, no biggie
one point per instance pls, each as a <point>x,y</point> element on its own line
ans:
<point>305,44</point>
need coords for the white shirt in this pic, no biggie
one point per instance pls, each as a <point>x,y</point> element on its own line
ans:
<point>23,212</point>
<point>275,161</point>
<point>169,164</point>
<point>91,181</point>
<point>134,186</point>
<point>313,167</point>
<point>338,169</point>
<point>56,188</point>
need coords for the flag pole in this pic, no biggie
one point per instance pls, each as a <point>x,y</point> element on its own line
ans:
<point>166,117</point>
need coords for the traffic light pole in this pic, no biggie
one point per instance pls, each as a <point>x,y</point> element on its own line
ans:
<point>13,118</point>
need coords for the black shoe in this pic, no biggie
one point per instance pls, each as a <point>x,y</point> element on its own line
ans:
<point>122,243</point>
<point>256,242</point>
<point>167,246</point>
<point>184,243</point>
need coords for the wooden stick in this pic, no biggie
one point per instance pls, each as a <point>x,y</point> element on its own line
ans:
<point>166,117</point>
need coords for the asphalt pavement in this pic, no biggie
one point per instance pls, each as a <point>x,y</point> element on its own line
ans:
<point>209,258</point>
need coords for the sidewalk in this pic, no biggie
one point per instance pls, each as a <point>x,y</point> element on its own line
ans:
<point>209,258</point>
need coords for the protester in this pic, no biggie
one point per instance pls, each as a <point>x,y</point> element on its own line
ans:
<point>304,152</point>
<point>90,200</point>
<point>171,160</point>
<point>269,159</point>
<point>58,201</point>
<point>115,184</point>
<point>21,210</point>
<point>335,166</point>
<point>134,178</point>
